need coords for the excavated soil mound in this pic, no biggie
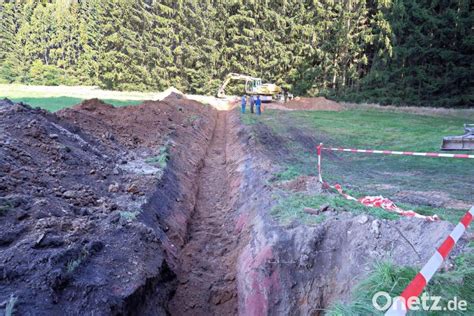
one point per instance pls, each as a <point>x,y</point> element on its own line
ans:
<point>165,208</point>
<point>306,104</point>
<point>316,104</point>
<point>302,183</point>
<point>146,124</point>
<point>90,214</point>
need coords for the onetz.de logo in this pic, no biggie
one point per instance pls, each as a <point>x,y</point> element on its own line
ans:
<point>383,301</point>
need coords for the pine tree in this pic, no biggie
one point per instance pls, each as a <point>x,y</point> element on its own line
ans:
<point>387,51</point>
<point>8,29</point>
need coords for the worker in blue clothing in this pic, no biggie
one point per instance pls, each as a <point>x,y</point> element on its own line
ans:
<point>258,105</point>
<point>244,103</point>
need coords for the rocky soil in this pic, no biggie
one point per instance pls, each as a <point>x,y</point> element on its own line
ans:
<point>90,221</point>
<point>164,208</point>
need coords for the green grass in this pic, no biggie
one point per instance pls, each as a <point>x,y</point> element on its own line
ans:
<point>128,216</point>
<point>381,130</point>
<point>249,119</point>
<point>5,206</point>
<point>291,208</point>
<point>289,173</point>
<point>162,158</point>
<point>54,104</point>
<point>10,307</point>
<point>73,264</point>
<point>393,280</point>
<point>366,174</point>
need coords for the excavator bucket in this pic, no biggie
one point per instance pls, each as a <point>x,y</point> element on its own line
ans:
<point>464,142</point>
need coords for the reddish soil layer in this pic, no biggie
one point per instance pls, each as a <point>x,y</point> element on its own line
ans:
<point>206,273</point>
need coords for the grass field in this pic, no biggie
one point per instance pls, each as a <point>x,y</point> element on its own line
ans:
<point>396,177</point>
<point>448,180</point>
<point>54,98</point>
<point>81,92</point>
<point>54,104</point>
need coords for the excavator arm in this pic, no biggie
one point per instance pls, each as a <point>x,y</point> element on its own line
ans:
<point>253,86</point>
<point>229,78</point>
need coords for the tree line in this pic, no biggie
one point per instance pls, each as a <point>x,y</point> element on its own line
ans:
<point>414,52</point>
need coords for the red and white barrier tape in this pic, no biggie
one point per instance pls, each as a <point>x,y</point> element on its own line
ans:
<point>404,153</point>
<point>384,203</point>
<point>372,201</point>
<point>402,303</point>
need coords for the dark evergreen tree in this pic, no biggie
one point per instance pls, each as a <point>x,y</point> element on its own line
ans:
<point>415,52</point>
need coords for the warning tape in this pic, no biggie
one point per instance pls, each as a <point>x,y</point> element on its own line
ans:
<point>402,303</point>
<point>371,201</point>
<point>384,203</point>
<point>404,153</point>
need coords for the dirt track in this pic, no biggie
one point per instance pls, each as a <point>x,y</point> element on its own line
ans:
<point>206,275</point>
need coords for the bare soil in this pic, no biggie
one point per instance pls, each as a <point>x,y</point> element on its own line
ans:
<point>206,274</point>
<point>83,228</point>
<point>91,224</point>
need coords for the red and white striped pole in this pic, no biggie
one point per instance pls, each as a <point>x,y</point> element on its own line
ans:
<point>404,153</point>
<point>319,150</point>
<point>402,303</point>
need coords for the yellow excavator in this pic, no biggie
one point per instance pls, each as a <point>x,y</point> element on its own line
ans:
<point>253,86</point>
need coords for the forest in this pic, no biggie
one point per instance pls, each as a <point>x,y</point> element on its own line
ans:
<point>401,52</point>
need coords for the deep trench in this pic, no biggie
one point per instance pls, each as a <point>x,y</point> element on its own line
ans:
<point>206,273</point>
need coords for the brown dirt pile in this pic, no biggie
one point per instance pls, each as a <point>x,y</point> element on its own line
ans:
<point>306,104</point>
<point>144,125</point>
<point>85,207</point>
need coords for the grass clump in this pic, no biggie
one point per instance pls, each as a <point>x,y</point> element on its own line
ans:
<point>292,207</point>
<point>392,279</point>
<point>289,173</point>
<point>193,118</point>
<point>5,206</point>
<point>10,307</point>
<point>128,216</point>
<point>162,158</point>
<point>72,265</point>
